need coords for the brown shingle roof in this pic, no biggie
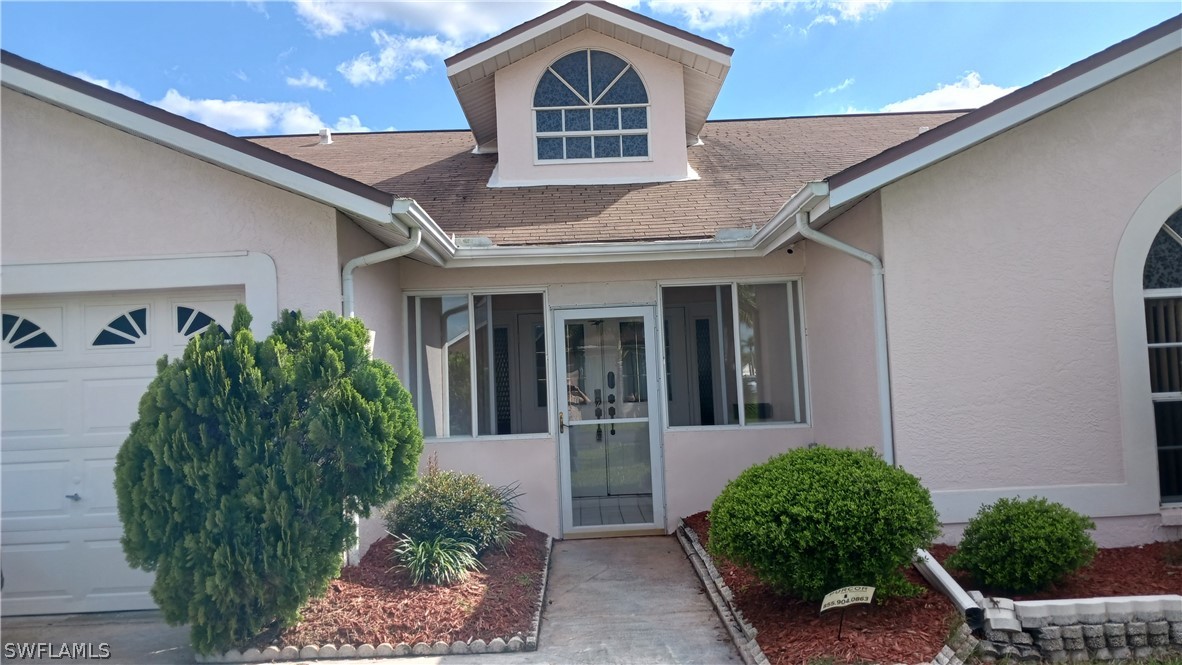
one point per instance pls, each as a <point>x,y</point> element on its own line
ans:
<point>748,169</point>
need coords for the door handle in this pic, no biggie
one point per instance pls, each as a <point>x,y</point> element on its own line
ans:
<point>74,497</point>
<point>561,424</point>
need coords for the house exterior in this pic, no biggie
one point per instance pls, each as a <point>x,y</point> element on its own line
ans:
<point>611,301</point>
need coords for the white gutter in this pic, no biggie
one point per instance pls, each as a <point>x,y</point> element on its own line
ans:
<point>879,295</point>
<point>400,207</point>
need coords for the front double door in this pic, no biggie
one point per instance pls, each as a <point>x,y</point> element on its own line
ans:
<point>609,440</point>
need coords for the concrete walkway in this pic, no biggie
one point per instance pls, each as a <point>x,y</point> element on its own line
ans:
<point>610,601</point>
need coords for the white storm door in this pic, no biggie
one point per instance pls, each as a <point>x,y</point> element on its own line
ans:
<point>608,395</point>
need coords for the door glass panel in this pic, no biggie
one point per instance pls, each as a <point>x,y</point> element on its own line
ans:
<point>608,433</point>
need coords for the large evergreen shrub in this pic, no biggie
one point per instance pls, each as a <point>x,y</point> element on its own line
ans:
<point>237,483</point>
<point>817,519</point>
<point>1024,545</point>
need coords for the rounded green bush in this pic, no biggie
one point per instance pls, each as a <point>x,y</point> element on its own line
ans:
<point>817,519</point>
<point>454,505</point>
<point>1024,545</point>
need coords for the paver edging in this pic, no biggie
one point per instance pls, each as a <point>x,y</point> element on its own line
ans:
<point>1072,629</point>
<point>516,642</point>
<point>1082,629</point>
<point>958,649</point>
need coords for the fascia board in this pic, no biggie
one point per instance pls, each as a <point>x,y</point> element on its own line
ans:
<point>195,146</point>
<point>580,11</point>
<point>1005,120</point>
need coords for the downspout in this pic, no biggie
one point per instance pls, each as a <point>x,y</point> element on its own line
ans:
<point>880,332</point>
<point>353,556</point>
<point>416,236</point>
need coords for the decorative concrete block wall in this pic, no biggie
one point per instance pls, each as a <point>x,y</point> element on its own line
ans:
<point>1093,629</point>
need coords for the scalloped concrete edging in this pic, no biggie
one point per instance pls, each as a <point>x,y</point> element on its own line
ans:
<point>960,646</point>
<point>386,650</point>
<point>1082,629</point>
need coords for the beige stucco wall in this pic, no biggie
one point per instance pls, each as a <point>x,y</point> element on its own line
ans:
<point>840,309</point>
<point>999,271</point>
<point>515,119</point>
<point>698,462</point>
<point>83,190</point>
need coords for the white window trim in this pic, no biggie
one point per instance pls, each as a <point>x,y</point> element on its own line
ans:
<point>415,294</point>
<point>800,351</point>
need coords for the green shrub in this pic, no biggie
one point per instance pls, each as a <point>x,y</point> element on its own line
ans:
<point>817,519</point>
<point>1024,545</point>
<point>438,560</point>
<point>237,483</point>
<point>456,505</point>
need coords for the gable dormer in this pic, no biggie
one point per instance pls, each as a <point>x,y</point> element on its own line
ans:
<point>589,94</point>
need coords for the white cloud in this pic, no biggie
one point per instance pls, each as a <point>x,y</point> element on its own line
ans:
<point>240,75</point>
<point>116,86</point>
<point>235,115</point>
<point>856,10</point>
<point>398,55</point>
<point>306,80</point>
<point>454,21</point>
<point>967,93</point>
<point>840,86</point>
<point>717,14</point>
<point>259,6</point>
<point>823,19</point>
<point>350,124</point>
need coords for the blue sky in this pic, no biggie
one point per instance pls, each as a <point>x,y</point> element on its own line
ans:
<point>291,67</point>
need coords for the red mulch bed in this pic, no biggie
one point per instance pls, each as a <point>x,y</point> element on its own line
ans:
<point>902,630</point>
<point>368,605</point>
<point>1117,571</point>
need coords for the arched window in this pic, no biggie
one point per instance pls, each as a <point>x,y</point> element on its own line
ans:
<point>130,328</point>
<point>591,105</point>
<point>1162,281</point>
<point>21,333</point>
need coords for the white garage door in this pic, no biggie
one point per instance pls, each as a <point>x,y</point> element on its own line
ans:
<point>73,370</point>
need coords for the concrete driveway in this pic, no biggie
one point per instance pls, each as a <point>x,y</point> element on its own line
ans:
<point>132,637</point>
<point>610,601</point>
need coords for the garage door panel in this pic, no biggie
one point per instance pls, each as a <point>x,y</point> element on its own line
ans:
<point>35,407</point>
<point>124,580</point>
<point>100,501</point>
<point>36,569</point>
<point>32,489</point>
<point>82,570</point>
<point>111,405</point>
